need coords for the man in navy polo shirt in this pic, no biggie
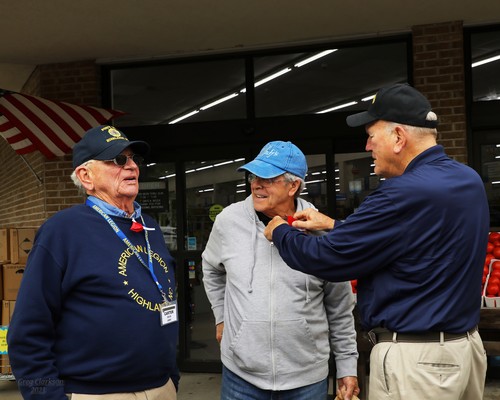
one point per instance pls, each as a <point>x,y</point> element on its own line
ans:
<point>417,246</point>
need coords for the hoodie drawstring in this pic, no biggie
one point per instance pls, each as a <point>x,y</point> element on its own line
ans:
<point>252,254</point>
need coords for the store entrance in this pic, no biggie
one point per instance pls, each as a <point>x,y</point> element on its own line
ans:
<point>194,191</point>
<point>193,180</point>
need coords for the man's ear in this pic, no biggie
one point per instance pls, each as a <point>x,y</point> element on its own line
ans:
<point>400,140</point>
<point>84,174</point>
<point>293,189</point>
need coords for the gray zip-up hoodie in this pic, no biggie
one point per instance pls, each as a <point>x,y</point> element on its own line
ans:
<point>278,322</point>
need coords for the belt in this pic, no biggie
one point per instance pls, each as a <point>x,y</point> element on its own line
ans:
<point>378,335</point>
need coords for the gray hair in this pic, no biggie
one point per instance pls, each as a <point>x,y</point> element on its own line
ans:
<point>76,181</point>
<point>415,130</point>
<point>288,177</point>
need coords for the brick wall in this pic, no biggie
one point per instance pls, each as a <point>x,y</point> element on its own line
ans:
<point>25,201</point>
<point>22,196</point>
<point>439,74</point>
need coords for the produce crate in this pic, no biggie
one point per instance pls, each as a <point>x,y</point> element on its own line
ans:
<point>491,300</point>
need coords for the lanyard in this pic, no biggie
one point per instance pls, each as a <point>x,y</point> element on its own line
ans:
<point>129,244</point>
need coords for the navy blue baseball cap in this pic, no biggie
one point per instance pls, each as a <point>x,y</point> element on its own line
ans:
<point>105,142</point>
<point>399,103</point>
<point>275,159</point>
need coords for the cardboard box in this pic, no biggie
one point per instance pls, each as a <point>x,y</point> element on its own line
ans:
<point>1,282</point>
<point>12,274</point>
<point>4,245</point>
<point>5,368</point>
<point>7,311</point>
<point>20,244</point>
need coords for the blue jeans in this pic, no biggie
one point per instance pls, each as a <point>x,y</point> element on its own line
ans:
<point>235,388</point>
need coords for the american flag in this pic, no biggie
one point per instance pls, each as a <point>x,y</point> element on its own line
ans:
<point>30,123</point>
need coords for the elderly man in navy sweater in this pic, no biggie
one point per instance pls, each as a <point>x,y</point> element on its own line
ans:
<point>417,246</point>
<point>96,313</point>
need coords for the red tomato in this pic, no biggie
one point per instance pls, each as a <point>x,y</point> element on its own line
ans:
<point>484,280</point>
<point>494,281</point>
<point>492,290</point>
<point>493,236</point>
<point>496,252</point>
<point>486,270</point>
<point>489,247</point>
<point>495,265</point>
<point>495,273</point>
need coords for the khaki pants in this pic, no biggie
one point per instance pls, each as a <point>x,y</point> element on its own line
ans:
<point>452,370</point>
<point>165,392</point>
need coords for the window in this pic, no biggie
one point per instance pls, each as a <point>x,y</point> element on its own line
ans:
<point>173,93</point>
<point>326,80</point>
<point>312,81</point>
<point>485,53</point>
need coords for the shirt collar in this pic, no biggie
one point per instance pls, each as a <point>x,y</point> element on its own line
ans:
<point>115,211</point>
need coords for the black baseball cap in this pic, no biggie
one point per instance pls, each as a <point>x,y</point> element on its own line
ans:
<point>105,142</point>
<point>399,103</point>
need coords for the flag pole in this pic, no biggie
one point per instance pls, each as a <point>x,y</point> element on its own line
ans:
<point>32,170</point>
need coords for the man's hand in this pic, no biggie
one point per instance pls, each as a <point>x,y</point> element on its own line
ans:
<point>347,388</point>
<point>312,220</point>
<point>219,328</point>
<point>276,221</point>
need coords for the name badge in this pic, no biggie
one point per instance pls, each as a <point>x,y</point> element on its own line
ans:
<point>168,313</point>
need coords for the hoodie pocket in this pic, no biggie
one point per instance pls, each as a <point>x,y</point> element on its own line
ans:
<point>251,347</point>
<point>292,347</point>
<point>295,346</point>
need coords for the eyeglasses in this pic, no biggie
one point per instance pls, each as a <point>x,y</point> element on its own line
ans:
<point>264,182</point>
<point>122,159</point>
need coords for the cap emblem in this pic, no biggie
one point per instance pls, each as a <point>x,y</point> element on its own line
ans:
<point>114,133</point>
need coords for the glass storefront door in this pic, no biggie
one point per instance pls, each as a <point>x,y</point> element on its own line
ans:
<point>210,186</point>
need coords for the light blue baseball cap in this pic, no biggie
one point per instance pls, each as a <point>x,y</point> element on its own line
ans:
<point>275,159</point>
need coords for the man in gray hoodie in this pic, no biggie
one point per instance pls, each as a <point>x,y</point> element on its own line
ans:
<point>276,326</point>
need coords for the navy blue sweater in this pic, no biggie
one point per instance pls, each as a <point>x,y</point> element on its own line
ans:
<point>417,245</point>
<point>87,315</point>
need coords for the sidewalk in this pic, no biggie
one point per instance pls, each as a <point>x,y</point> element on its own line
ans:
<point>200,386</point>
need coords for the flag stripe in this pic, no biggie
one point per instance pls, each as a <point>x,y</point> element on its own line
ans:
<point>15,138</point>
<point>58,120</point>
<point>39,129</point>
<point>32,123</point>
<point>16,116</point>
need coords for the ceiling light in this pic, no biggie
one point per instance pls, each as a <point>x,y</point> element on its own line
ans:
<point>221,100</point>
<point>224,163</point>
<point>271,77</point>
<point>485,61</point>
<point>337,107</point>
<point>206,167</point>
<point>368,98</point>
<point>184,116</point>
<point>314,58</point>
